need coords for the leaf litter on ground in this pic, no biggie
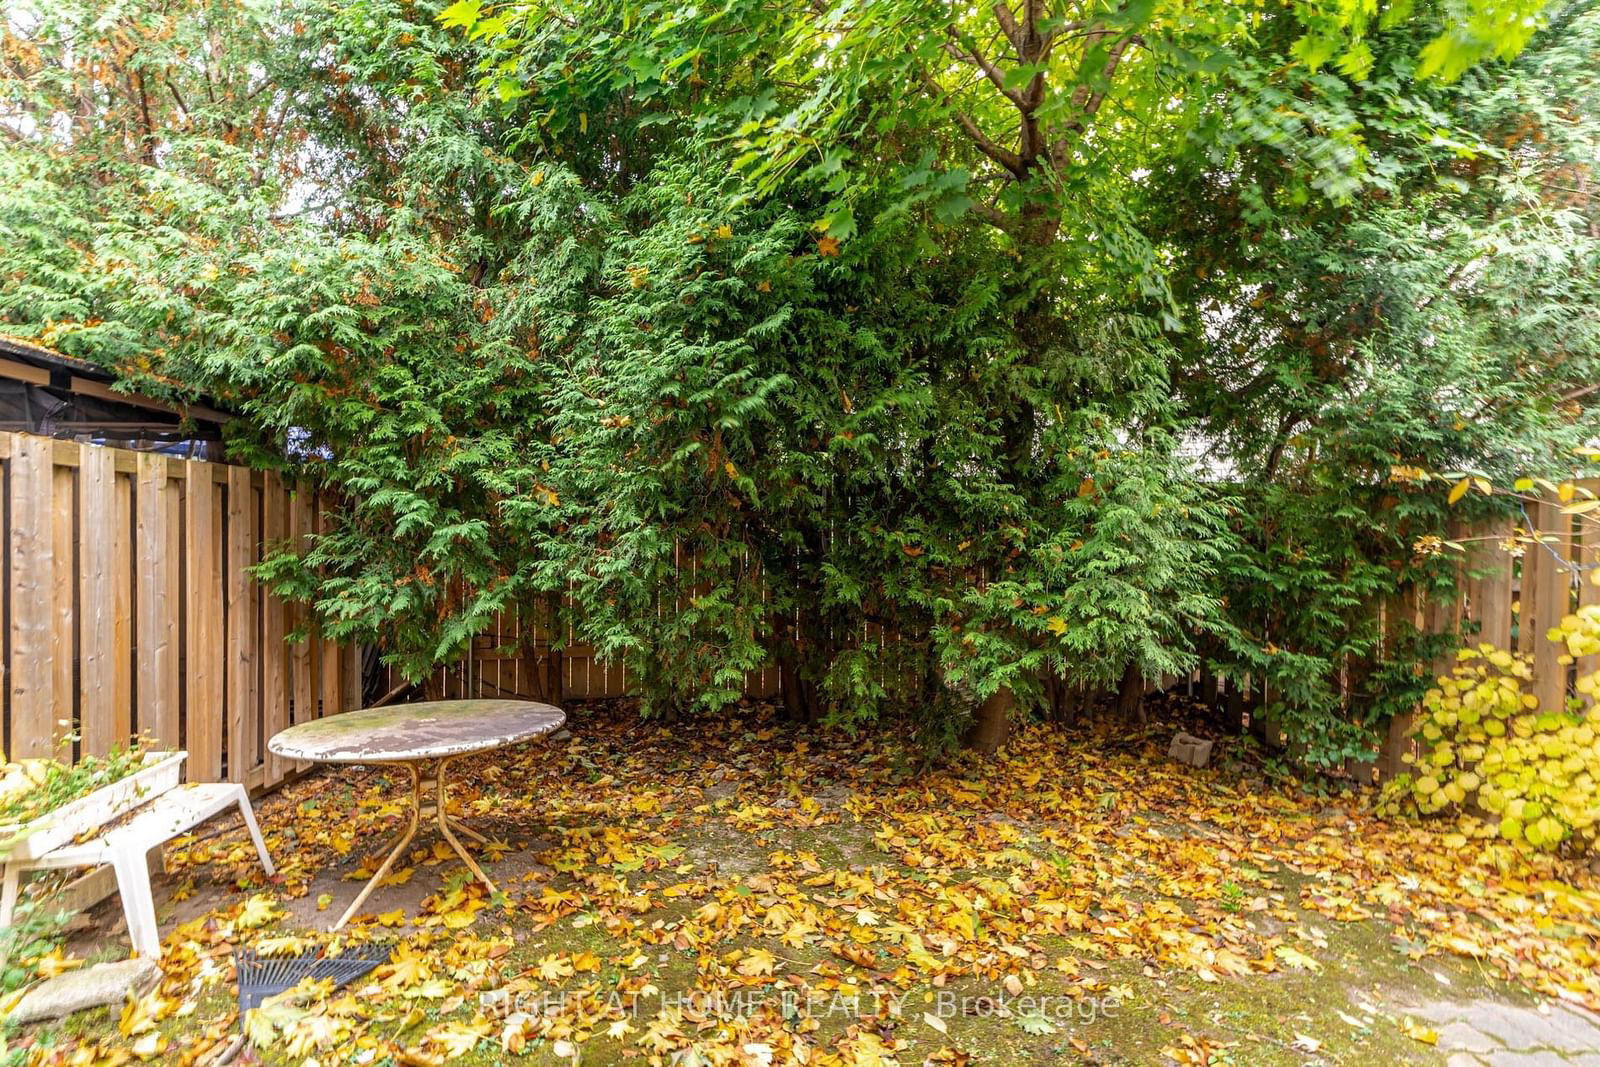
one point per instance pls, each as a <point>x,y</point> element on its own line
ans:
<point>709,846</point>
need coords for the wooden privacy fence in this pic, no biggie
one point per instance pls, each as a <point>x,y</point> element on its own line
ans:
<point>1517,578</point>
<point>1511,592</point>
<point>128,608</point>
<point>519,659</point>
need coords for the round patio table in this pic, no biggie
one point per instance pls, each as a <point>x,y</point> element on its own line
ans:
<point>413,736</point>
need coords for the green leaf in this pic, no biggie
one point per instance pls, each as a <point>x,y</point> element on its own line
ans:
<point>462,14</point>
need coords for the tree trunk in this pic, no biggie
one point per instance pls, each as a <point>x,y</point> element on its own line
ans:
<point>1235,705</point>
<point>1071,703</point>
<point>1065,699</point>
<point>1130,695</point>
<point>800,703</point>
<point>543,671</point>
<point>991,723</point>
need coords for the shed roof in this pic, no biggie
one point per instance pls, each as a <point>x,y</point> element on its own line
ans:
<point>30,362</point>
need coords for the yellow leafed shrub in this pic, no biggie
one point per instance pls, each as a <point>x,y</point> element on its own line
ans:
<point>1486,745</point>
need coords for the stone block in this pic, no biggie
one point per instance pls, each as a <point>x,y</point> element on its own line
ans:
<point>92,987</point>
<point>1190,750</point>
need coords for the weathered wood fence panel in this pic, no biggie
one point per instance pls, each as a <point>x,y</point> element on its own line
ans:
<point>1518,579</point>
<point>128,608</point>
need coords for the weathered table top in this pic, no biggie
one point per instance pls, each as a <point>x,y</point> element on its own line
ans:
<point>405,732</point>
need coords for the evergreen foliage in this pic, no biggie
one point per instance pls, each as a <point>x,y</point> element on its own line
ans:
<point>964,352</point>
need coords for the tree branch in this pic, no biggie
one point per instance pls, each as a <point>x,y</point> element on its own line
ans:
<point>1006,158</point>
<point>178,99</point>
<point>990,71</point>
<point>1086,101</point>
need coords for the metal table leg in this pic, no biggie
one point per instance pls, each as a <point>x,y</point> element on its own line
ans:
<point>444,829</point>
<point>445,823</point>
<point>394,854</point>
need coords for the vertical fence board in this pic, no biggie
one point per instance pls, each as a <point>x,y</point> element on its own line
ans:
<point>204,647</point>
<point>156,629</point>
<point>350,678</point>
<point>1588,556</point>
<point>122,570</point>
<point>31,678</point>
<point>1553,582</point>
<point>1527,594</point>
<point>239,620</point>
<point>300,666</point>
<point>1491,591</point>
<point>274,654</point>
<point>329,660</point>
<point>63,595</point>
<point>104,720</point>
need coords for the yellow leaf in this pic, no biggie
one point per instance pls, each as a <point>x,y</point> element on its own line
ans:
<point>935,1022</point>
<point>1417,1032</point>
<point>54,963</point>
<point>554,967</point>
<point>457,1039</point>
<point>286,945</point>
<point>257,911</point>
<point>149,1046</point>
<point>1296,959</point>
<point>758,962</point>
<point>1459,490</point>
<point>400,877</point>
<point>406,971</point>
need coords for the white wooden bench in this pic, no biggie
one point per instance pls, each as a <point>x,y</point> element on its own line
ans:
<point>126,848</point>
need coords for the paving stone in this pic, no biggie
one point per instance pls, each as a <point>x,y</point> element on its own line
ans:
<point>1463,1059</point>
<point>105,983</point>
<point>1517,1028</point>
<point>1463,1037</point>
<point>1572,1029</point>
<point>1506,1035</point>
<point>1541,1057</point>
